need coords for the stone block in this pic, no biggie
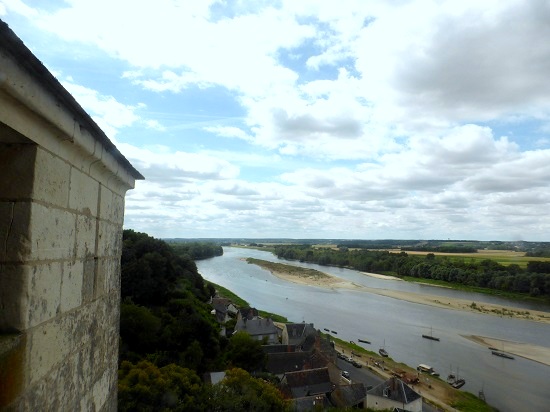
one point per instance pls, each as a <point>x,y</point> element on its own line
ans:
<point>109,240</point>
<point>15,242</point>
<point>52,233</point>
<point>88,280</point>
<point>51,180</point>
<point>84,192</point>
<point>112,206</point>
<point>71,285</point>
<point>30,294</point>
<point>86,233</point>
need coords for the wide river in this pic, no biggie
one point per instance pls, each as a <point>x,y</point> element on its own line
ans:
<point>510,385</point>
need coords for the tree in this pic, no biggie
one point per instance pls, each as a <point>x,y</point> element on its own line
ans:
<point>239,391</point>
<point>245,352</point>
<point>145,387</point>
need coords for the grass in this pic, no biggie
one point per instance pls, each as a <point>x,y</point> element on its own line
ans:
<point>467,402</point>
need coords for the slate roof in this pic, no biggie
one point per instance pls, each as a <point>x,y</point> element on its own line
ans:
<point>396,390</point>
<point>308,382</point>
<point>279,348</point>
<point>311,403</point>
<point>248,313</point>
<point>256,327</point>
<point>279,363</point>
<point>346,396</point>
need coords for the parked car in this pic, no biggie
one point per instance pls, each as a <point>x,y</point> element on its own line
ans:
<point>345,374</point>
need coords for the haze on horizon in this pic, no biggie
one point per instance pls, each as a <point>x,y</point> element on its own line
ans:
<point>314,119</point>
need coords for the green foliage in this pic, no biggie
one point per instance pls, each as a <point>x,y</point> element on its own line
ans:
<point>139,327</point>
<point>145,387</point>
<point>239,391</point>
<point>245,352</point>
<point>197,250</point>
<point>468,402</point>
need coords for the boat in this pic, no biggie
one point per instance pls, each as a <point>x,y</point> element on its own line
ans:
<point>364,341</point>
<point>430,336</point>
<point>458,382</point>
<point>333,331</point>
<point>502,354</point>
<point>327,330</point>
<point>382,351</point>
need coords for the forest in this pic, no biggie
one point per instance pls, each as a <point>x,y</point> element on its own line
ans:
<point>534,280</point>
<point>169,339</point>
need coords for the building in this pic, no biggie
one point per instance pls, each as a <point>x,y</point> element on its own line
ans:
<point>394,393</point>
<point>62,190</point>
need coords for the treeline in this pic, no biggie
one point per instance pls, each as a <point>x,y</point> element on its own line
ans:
<point>169,338</point>
<point>197,250</point>
<point>535,280</point>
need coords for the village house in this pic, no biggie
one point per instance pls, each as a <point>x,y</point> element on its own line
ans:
<point>259,329</point>
<point>394,393</point>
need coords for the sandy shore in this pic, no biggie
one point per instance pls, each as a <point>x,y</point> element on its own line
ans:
<point>536,353</point>
<point>333,282</point>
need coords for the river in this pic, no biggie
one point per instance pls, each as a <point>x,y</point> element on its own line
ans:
<point>510,385</point>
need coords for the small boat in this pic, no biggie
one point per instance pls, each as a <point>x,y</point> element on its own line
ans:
<point>430,336</point>
<point>502,354</point>
<point>459,383</point>
<point>363,341</point>
<point>333,331</point>
<point>382,351</point>
<point>327,330</point>
<point>455,381</point>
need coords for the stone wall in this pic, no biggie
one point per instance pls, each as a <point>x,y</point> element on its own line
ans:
<point>62,188</point>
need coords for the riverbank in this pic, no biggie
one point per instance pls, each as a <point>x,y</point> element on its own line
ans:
<point>295,275</point>
<point>535,353</point>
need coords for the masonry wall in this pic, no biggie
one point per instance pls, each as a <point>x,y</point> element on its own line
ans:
<point>61,214</point>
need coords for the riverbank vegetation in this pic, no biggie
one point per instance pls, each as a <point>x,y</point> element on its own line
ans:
<point>533,280</point>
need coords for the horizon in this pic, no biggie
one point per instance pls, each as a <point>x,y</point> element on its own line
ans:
<point>314,120</point>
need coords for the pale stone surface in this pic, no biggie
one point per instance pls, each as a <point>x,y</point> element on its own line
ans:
<point>13,287</point>
<point>112,206</point>
<point>51,183</point>
<point>110,239</point>
<point>44,292</point>
<point>84,193</point>
<point>16,244</point>
<point>71,285</point>
<point>53,233</point>
<point>85,236</point>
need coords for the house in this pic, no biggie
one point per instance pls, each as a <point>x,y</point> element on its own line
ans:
<point>306,383</point>
<point>296,333</point>
<point>394,393</point>
<point>349,396</point>
<point>259,329</point>
<point>311,403</point>
<point>224,309</point>
<point>247,313</point>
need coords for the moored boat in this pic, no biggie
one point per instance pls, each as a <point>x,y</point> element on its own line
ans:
<point>502,354</point>
<point>364,341</point>
<point>430,336</point>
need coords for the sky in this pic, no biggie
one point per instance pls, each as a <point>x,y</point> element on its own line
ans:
<point>355,119</point>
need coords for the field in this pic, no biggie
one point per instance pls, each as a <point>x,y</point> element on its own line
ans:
<point>503,257</point>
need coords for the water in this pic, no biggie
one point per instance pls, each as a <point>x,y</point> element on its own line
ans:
<point>510,385</point>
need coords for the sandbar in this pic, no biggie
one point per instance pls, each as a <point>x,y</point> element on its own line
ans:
<point>334,282</point>
<point>535,353</point>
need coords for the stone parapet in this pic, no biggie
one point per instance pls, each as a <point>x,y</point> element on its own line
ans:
<point>62,188</point>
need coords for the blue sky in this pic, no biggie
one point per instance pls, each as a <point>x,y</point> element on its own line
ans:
<point>314,119</point>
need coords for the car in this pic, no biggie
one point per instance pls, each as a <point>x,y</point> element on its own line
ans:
<point>356,364</point>
<point>341,355</point>
<point>345,374</point>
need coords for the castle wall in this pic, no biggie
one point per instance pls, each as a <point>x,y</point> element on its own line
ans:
<point>62,188</point>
